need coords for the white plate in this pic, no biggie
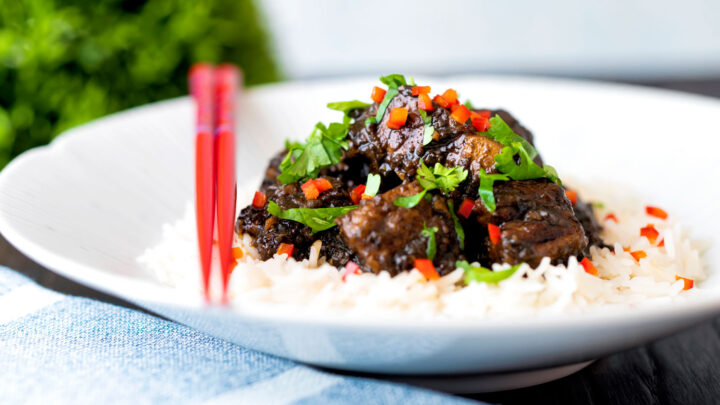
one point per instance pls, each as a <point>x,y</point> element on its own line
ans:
<point>87,205</point>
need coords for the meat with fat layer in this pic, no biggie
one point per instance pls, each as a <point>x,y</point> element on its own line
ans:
<point>387,237</point>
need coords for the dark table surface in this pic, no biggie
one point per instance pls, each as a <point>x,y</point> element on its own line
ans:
<point>681,369</point>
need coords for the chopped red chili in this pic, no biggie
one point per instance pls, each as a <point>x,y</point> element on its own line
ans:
<point>310,190</point>
<point>259,199</point>
<point>656,212</point>
<point>687,282</point>
<point>650,233</point>
<point>286,249</point>
<point>451,97</point>
<point>479,121</point>
<point>483,113</point>
<point>589,266</point>
<point>398,117</point>
<point>427,268</point>
<point>638,254</point>
<point>237,253</point>
<point>572,196</point>
<point>350,268</point>
<point>378,94</point>
<point>357,193</point>
<point>424,102</point>
<point>460,114</point>
<point>494,233</point>
<point>322,184</point>
<point>439,100</point>
<point>466,208</point>
<point>417,90</point>
<point>611,217</point>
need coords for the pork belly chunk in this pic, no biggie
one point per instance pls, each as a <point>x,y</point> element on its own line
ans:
<point>387,237</point>
<point>536,220</point>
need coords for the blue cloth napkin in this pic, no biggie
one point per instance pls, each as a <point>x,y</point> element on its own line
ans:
<point>56,348</point>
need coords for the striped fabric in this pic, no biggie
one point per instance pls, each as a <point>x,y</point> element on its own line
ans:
<point>57,349</point>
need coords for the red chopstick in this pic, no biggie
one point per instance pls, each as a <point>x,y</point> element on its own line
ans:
<point>227,80</point>
<point>202,83</point>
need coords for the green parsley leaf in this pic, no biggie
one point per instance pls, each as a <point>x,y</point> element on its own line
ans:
<point>458,227</point>
<point>429,233</point>
<point>393,81</point>
<point>346,106</point>
<point>501,132</point>
<point>318,219</point>
<point>323,148</point>
<point>480,274</point>
<point>429,128</point>
<point>372,185</point>
<point>514,145</point>
<point>440,177</point>
<point>410,201</point>
<point>486,188</point>
<point>391,92</point>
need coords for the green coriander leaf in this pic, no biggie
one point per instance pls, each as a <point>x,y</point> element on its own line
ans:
<point>410,201</point>
<point>411,81</point>
<point>458,227</point>
<point>370,120</point>
<point>429,129</point>
<point>527,169</point>
<point>324,147</point>
<point>486,188</point>
<point>447,179</point>
<point>598,204</point>
<point>429,233</point>
<point>318,219</point>
<point>480,274</point>
<point>501,132</point>
<point>391,92</point>
<point>469,105</point>
<point>552,174</point>
<point>372,185</point>
<point>290,145</point>
<point>393,81</point>
<point>346,106</point>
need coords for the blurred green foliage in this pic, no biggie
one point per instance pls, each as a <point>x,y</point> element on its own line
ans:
<point>66,62</point>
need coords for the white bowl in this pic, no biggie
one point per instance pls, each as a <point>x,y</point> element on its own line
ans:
<point>91,202</point>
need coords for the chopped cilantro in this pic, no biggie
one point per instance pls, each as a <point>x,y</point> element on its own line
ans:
<point>346,106</point>
<point>480,274</point>
<point>598,204</point>
<point>410,201</point>
<point>391,92</point>
<point>323,148</point>
<point>458,227</point>
<point>370,120</point>
<point>411,81</point>
<point>318,219</point>
<point>431,245</point>
<point>486,188</point>
<point>429,128</point>
<point>440,177</point>
<point>372,185</point>
<point>394,80</point>
<point>469,105</point>
<point>515,145</point>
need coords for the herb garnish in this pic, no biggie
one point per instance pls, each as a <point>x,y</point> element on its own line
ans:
<point>440,177</point>
<point>429,129</point>
<point>431,245</point>
<point>323,148</point>
<point>393,81</point>
<point>458,227</point>
<point>346,106</point>
<point>318,219</point>
<point>372,185</point>
<point>507,164</point>
<point>480,274</point>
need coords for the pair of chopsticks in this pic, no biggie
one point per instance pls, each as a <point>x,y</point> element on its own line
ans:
<point>214,89</point>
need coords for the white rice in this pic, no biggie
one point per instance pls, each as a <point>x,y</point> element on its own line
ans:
<point>314,287</point>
